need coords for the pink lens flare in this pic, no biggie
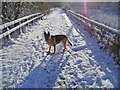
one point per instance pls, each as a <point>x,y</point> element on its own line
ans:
<point>85,7</point>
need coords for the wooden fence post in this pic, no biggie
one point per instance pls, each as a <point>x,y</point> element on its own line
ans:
<point>91,29</point>
<point>117,48</point>
<point>102,35</point>
<point>24,29</point>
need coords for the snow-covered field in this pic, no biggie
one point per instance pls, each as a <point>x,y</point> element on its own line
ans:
<point>83,65</point>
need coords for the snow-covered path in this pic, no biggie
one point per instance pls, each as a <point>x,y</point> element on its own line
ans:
<point>82,65</point>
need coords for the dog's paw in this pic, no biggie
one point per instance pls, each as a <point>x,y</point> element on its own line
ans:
<point>48,53</point>
<point>52,53</point>
<point>63,50</point>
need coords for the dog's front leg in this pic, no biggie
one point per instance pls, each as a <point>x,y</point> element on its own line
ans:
<point>54,49</point>
<point>49,49</point>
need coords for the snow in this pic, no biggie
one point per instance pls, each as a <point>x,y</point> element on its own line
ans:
<point>82,65</point>
<point>0,74</point>
<point>109,29</point>
<point>102,13</point>
<point>17,27</point>
<point>18,20</point>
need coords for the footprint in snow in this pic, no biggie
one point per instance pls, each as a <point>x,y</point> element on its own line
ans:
<point>78,62</point>
<point>98,81</point>
<point>79,48</point>
<point>62,77</point>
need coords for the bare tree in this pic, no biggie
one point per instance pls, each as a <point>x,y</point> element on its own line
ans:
<point>14,10</point>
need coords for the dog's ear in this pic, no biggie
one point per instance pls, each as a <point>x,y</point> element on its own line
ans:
<point>44,33</point>
<point>48,33</point>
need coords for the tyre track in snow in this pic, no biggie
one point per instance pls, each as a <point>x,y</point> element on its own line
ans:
<point>83,65</point>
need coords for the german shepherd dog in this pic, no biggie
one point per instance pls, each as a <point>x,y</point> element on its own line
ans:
<point>56,39</point>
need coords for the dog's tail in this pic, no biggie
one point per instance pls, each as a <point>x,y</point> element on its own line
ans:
<point>69,42</point>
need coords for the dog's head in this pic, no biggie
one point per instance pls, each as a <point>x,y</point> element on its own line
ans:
<point>47,36</point>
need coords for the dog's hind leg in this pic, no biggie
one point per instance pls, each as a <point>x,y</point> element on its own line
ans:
<point>64,47</point>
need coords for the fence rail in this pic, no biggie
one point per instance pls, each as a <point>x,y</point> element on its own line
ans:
<point>107,36</point>
<point>22,22</point>
<point>15,71</point>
